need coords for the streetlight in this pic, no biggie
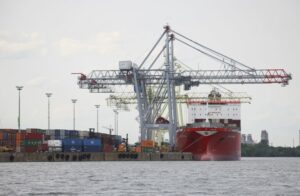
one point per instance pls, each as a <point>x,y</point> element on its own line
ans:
<point>116,121</point>
<point>97,106</point>
<point>48,95</point>
<point>19,88</point>
<point>74,101</point>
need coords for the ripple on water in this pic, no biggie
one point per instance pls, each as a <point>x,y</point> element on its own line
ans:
<point>266,176</point>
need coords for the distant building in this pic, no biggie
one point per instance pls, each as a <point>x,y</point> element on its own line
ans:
<point>243,139</point>
<point>246,139</point>
<point>249,139</point>
<point>264,137</point>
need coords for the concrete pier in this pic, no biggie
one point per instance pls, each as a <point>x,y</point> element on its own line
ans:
<point>94,156</point>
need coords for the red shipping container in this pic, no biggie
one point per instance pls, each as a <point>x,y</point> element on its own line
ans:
<point>45,148</point>
<point>107,140</point>
<point>107,148</point>
<point>37,136</point>
<point>30,149</point>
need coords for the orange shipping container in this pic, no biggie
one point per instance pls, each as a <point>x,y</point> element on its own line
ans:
<point>19,138</point>
<point>122,148</point>
<point>147,143</point>
<point>138,149</point>
<point>1,136</point>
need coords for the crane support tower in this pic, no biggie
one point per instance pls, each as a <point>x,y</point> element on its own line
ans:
<point>163,80</point>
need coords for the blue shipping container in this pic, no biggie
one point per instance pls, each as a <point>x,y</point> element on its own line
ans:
<point>91,142</point>
<point>72,142</point>
<point>72,145</point>
<point>5,136</point>
<point>72,148</point>
<point>73,134</point>
<point>57,132</point>
<point>91,148</point>
<point>92,145</point>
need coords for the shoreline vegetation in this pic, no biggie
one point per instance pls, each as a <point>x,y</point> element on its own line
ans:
<point>264,150</point>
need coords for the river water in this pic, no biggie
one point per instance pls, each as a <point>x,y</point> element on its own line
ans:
<point>250,176</point>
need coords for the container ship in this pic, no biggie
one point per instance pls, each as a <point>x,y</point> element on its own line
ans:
<point>213,131</point>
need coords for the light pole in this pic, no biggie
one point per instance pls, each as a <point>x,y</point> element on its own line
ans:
<point>48,95</point>
<point>19,88</point>
<point>97,106</point>
<point>116,121</point>
<point>74,101</point>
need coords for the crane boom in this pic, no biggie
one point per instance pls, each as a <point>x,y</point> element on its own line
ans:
<point>103,78</point>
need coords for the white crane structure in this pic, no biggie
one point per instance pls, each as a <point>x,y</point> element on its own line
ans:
<point>152,87</point>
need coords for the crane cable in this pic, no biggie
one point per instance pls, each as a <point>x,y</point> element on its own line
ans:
<point>211,50</point>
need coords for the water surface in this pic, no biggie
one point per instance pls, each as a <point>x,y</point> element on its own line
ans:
<point>250,176</point>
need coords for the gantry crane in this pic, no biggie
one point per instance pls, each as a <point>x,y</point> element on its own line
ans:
<point>162,81</point>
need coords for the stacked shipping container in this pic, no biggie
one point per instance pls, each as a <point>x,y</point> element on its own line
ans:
<point>60,134</point>
<point>72,145</point>
<point>33,142</point>
<point>147,146</point>
<point>92,145</point>
<point>37,140</point>
<point>54,145</point>
<point>8,138</point>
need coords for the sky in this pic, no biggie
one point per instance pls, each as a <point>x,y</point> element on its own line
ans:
<point>43,42</point>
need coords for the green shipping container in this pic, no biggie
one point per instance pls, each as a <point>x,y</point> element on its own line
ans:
<point>147,149</point>
<point>31,142</point>
<point>41,131</point>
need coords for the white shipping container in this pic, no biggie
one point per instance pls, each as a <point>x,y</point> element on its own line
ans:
<point>54,143</point>
<point>84,134</point>
<point>54,149</point>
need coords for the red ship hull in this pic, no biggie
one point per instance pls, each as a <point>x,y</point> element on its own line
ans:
<point>207,143</point>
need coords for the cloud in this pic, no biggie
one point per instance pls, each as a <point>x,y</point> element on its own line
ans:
<point>38,81</point>
<point>21,45</point>
<point>100,44</point>
<point>43,81</point>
